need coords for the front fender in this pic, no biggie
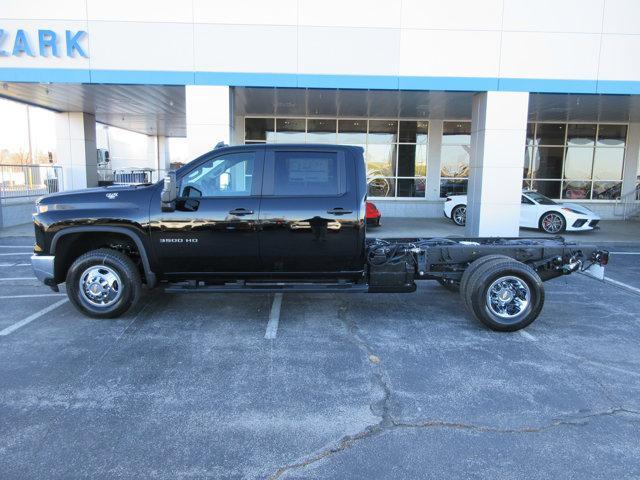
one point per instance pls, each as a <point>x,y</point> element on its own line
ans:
<point>140,244</point>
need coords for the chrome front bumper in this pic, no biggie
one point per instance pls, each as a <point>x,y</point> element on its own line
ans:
<point>43,267</point>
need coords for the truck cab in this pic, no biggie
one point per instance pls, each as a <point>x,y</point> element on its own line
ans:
<point>264,211</point>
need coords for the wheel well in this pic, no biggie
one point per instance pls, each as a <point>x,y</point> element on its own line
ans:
<point>71,246</point>
<point>551,211</point>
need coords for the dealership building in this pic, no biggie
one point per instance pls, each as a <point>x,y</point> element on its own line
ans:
<point>483,97</point>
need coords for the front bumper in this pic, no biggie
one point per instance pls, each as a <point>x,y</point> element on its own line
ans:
<point>582,223</point>
<point>43,266</point>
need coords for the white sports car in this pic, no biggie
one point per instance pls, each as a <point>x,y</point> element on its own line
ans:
<point>537,211</point>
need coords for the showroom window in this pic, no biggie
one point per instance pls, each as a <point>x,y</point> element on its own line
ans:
<point>395,150</point>
<point>454,158</point>
<point>575,161</point>
<point>27,134</point>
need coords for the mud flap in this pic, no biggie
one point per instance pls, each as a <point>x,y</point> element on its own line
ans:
<point>595,270</point>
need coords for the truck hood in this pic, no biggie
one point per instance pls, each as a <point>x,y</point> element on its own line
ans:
<point>96,205</point>
<point>96,192</point>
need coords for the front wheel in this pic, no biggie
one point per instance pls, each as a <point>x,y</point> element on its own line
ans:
<point>553,222</point>
<point>103,283</point>
<point>459,215</point>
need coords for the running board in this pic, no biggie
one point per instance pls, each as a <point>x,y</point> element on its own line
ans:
<point>267,287</point>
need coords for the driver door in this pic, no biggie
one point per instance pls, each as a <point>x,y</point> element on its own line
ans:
<point>214,226</point>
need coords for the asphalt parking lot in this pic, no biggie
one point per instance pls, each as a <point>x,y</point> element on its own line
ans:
<point>350,386</point>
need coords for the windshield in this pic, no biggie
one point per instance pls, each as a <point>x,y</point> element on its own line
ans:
<point>539,198</point>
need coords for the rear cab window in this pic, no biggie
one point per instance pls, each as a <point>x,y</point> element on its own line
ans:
<point>307,173</point>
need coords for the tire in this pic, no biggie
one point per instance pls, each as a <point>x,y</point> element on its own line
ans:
<point>450,285</point>
<point>553,223</point>
<point>506,295</point>
<point>471,270</point>
<point>103,283</point>
<point>459,215</point>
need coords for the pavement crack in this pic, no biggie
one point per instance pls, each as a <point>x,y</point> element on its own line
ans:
<point>576,421</point>
<point>382,409</point>
<point>344,444</point>
<point>350,440</point>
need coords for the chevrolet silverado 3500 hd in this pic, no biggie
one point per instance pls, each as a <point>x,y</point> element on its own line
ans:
<point>286,218</point>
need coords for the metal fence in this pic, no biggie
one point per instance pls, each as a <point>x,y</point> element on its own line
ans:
<point>23,181</point>
<point>628,205</point>
<point>127,177</point>
<point>143,175</point>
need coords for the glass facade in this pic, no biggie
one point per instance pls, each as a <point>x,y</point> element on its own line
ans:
<point>27,134</point>
<point>572,161</point>
<point>395,150</point>
<point>575,161</point>
<point>454,158</point>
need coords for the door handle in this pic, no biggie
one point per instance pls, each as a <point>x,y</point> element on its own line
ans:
<point>240,212</point>
<point>339,211</point>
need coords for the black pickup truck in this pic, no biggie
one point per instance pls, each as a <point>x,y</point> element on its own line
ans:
<point>285,218</point>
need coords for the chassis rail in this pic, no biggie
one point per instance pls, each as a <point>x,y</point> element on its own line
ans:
<point>446,259</point>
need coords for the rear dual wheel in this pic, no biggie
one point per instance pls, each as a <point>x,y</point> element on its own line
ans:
<point>502,293</point>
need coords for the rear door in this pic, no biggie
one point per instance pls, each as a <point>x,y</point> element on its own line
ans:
<point>309,218</point>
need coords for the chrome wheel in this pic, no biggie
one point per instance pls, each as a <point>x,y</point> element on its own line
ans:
<point>460,215</point>
<point>100,286</point>
<point>552,223</point>
<point>508,297</point>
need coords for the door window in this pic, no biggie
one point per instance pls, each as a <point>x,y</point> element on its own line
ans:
<point>228,175</point>
<point>308,174</point>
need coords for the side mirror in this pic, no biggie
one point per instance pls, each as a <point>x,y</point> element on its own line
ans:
<point>169,193</point>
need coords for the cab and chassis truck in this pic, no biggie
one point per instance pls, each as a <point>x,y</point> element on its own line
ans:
<point>277,218</point>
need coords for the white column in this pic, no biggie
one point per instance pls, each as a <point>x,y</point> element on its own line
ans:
<point>208,118</point>
<point>631,160</point>
<point>76,149</point>
<point>433,159</point>
<point>163,160</point>
<point>237,130</point>
<point>498,131</point>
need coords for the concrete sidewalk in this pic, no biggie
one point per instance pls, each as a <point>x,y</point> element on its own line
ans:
<point>616,232</point>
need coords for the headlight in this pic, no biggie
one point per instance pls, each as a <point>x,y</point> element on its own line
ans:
<point>42,208</point>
